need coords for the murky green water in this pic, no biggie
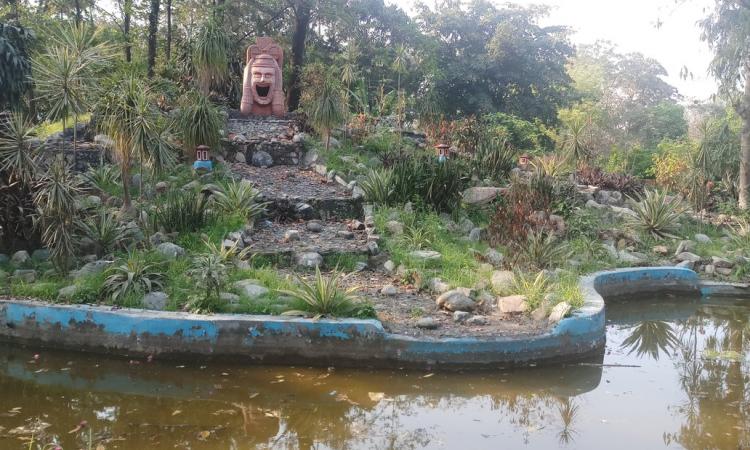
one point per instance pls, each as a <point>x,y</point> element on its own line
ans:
<point>675,375</point>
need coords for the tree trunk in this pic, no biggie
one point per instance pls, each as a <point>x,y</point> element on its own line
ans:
<point>168,48</point>
<point>744,112</point>
<point>301,26</point>
<point>127,10</point>
<point>79,12</point>
<point>125,175</point>
<point>153,27</point>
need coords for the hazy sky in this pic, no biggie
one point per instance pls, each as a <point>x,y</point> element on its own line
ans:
<point>631,25</point>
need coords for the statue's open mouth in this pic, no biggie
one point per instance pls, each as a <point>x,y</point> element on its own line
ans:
<point>262,90</point>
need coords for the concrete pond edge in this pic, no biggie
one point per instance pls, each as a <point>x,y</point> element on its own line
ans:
<point>346,342</point>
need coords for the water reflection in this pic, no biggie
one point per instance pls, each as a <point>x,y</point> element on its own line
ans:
<point>674,376</point>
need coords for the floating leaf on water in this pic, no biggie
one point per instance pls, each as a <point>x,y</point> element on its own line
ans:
<point>230,412</point>
<point>32,428</point>
<point>176,412</point>
<point>253,395</point>
<point>376,396</point>
<point>203,435</point>
<point>428,375</point>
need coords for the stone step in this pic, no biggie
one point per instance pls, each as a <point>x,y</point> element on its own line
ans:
<point>293,193</point>
<point>284,243</point>
<point>263,141</point>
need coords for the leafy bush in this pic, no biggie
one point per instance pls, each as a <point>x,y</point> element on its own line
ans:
<point>105,231</point>
<point>656,213</point>
<point>594,176</point>
<point>429,182</point>
<point>210,275</point>
<point>240,197</point>
<point>199,123</point>
<point>45,290</point>
<point>533,287</point>
<point>377,186</point>
<point>103,178</point>
<point>184,211</point>
<point>133,276</point>
<point>322,296</point>
<point>541,251</point>
<point>493,158</point>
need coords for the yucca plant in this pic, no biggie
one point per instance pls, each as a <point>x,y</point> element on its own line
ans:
<point>240,197</point>
<point>199,123</point>
<point>183,212</point>
<point>657,214</point>
<point>324,101</point>
<point>322,296</point>
<point>57,212</point>
<point>377,186</point>
<point>227,254</point>
<point>134,275</point>
<point>102,177</point>
<point>211,55</point>
<point>534,287</point>
<point>542,250</point>
<point>105,231</point>
<point>209,273</point>
<point>416,237</point>
<point>493,158</point>
<point>17,156</point>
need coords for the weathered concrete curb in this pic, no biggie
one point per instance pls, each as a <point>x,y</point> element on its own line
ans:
<point>286,340</point>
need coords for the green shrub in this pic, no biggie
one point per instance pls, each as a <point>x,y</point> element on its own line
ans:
<point>542,251</point>
<point>493,158</point>
<point>429,182</point>
<point>105,231</point>
<point>533,287</point>
<point>239,197</point>
<point>44,290</point>
<point>184,211</point>
<point>105,178</point>
<point>132,277</point>
<point>377,186</point>
<point>199,123</point>
<point>209,273</point>
<point>322,296</point>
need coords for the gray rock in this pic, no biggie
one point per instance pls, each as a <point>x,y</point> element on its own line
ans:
<point>662,250</point>
<point>726,271</point>
<point>685,246</point>
<point>170,250</point>
<point>229,297</point>
<point>476,320</point>
<point>425,255</point>
<point>104,141</point>
<point>394,227</point>
<point>309,260</point>
<point>372,248</point>
<point>358,192</point>
<point>345,234</point>
<point>558,312</point>
<point>389,290</point>
<point>20,257</point>
<point>262,159</point>
<point>304,211</point>
<point>502,281</point>
<point>512,304</point>
<point>135,180</point>
<point>466,225</point>
<point>67,293</point>
<point>475,234</point>
<point>27,276</point>
<point>687,256</point>
<point>686,265</point>
<point>480,195</point>
<point>438,286</point>
<point>310,158</point>
<point>456,301</point>
<point>291,236</point>
<point>299,137</point>
<point>494,257</point>
<point>360,266</point>
<point>591,204</point>
<point>161,187</point>
<point>240,158</point>
<point>158,238</point>
<point>389,266</point>
<point>40,254</point>
<point>427,323</point>
<point>460,316</point>
<point>314,226</point>
<point>93,201</point>
<point>91,268</point>
<point>709,269</point>
<point>156,300</point>
<point>721,262</point>
<point>250,288</point>
<point>334,143</point>
<point>4,259</point>
<point>357,225</point>
<point>539,314</point>
<point>320,169</point>
<point>702,238</point>
<point>191,186</point>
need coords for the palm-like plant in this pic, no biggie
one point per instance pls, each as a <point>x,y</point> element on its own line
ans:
<point>210,275</point>
<point>227,254</point>
<point>210,55</point>
<point>656,213</point>
<point>651,337</point>
<point>132,275</point>
<point>324,102</point>
<point>542,250</point>
<point>575,140</point>
<point>322,296</point>
<point>102,177</point>
<point>199,123</point>
<point>17,156</point>
<point>56,216</point>
<point>377,186</point>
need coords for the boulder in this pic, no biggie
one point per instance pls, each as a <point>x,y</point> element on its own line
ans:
<point>687,256</point>
<point>136,180</point>
<point>314,226</point>
<point>438,286</point>
<point>40,254</point>
<point>291,236</point>
<point>591,204</point>
<point>502,281</point>
<point>394,227</point>
<point>27,276</point>
<point>480,195</point>
<point>475,234</point>
<point>262,159</point>
<point>389,266</point>
<point>425,255</point>
<point>726,271</point>
<point>494,257</point>
<point>309,260</point>
<point>229,297</point>
<point>299,137</point>
<point>465,225</point>
<point>702,238</point>
<point>161,187</point>
<point>333,142</point>
<point>461,316</point>
<point>343,234</point>
<point>662,250</point>
<point>310,158</point>
<point>372,248</point>
<point>93,201</point>
<point>156,300</point>
<point>358,192</point>
<point>67,293</point>
<point>91,268</point>
<point>389,290</point>
<point>240,158</point>
<point>709,269</point>
<point>558,312</point>
<point>158,238</point>
<point>457,300</point>
<point>512,304</point>
<point>320,169</point>
<point>477,320</point>
<point>721,262</point>
<point>170,250</point>
<point>685,246</point>
<point>20,257</point>
<point>250,288</point>
<point>686,265</point>
<point>427,323</point>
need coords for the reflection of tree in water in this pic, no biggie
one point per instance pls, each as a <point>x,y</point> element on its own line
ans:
<point>716,412</point>
<point>568,411</point>
<point>651,337</point>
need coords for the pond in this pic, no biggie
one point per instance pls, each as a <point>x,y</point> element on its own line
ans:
<point>674,374</point>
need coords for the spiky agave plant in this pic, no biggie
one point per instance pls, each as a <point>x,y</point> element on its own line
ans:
<point>657,214</point>
<point>17,156</point>
<point>542,250</point>
<point>240,197</point>
<point>377,186</point>
<point>133,275</point>
<point>324,102</point>
<point>209,273</point>
<point>322,296</point>
<point>199,123</point>
<point>105,231</point>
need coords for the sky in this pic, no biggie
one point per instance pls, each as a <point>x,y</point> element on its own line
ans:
<point>632,26</point>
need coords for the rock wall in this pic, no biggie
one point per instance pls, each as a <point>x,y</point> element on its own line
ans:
<point>264,141</point>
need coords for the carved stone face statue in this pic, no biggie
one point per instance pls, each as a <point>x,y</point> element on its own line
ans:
<point>262,92</point>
